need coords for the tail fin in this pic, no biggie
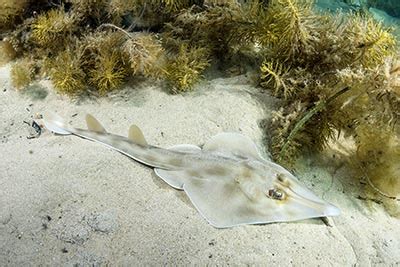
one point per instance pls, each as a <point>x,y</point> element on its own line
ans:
<point>56,124</point>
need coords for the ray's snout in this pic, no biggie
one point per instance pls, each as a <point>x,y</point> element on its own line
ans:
<point>304,200</point>
<point>320,207</point>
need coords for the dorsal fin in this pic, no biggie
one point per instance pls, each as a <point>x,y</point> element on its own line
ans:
<point>136,135</point>
<point>94,125</point>
<point>234,144</point>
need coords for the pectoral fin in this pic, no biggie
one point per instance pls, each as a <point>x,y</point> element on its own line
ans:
<point>219,199</point>
<point>176,179</point>
<point>221,202</point>
<point>233,144</point>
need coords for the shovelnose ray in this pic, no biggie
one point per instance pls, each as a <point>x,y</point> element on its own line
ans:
<point>227,180</point>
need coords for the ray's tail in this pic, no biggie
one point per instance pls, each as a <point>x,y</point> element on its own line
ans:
<point>56,124</point>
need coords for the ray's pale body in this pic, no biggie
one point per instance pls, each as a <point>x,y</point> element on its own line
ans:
<point>227,180</point>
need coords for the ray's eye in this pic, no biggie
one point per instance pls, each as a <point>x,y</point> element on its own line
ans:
<point>276,194</point>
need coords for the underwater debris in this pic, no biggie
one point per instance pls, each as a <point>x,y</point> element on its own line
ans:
<point>35,129</point>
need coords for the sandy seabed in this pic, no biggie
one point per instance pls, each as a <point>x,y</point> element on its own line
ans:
<point>68,201</point>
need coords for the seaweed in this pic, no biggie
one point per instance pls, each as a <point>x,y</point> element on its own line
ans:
<point>183,70</point>
<point>90,9</point>
<point>53,28</point>
<point>295,29</point>
<point>174,5</point>
<point>217,31</point>
<point>146,55</point>
<point>105,60</point>
<point>108,72</point>
<point>66,72</point>
<point>281,124</point>
<point>321,60</point>
<point>378,154</point>
<point>95,61</point>
<point>373,42</point>
<point>107,57</point>
<point>213,28</point>
<point>336,76</point>
<point>274,75</point>
<point>118,10</point>
<point>22,73</point>
<point>148,15</point>
<point>7,52</point>
<point>220,2</point>
<point>302,121</point>
<point>11,12</point>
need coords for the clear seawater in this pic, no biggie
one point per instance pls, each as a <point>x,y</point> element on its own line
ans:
<point>385,11</point>
<point>390,7</point>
